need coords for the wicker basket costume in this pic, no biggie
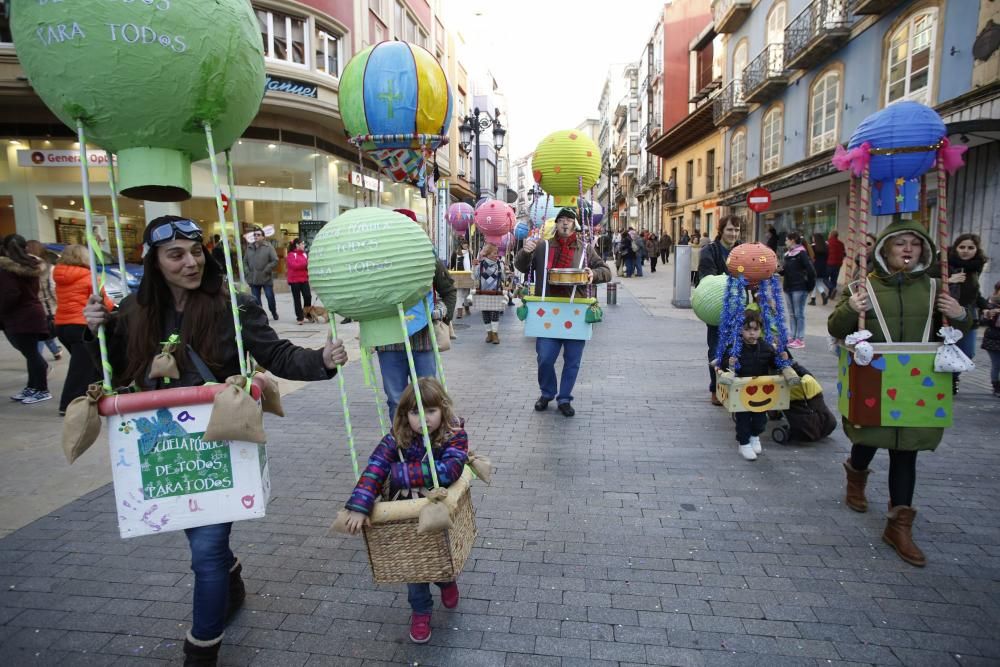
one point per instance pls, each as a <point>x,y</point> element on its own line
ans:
<point>490,301</point>
<point>399,555</point>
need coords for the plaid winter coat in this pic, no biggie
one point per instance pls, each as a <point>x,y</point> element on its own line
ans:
<point>413,472</point>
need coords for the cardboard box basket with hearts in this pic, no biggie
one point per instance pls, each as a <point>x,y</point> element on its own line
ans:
<point>558,317</point>
<point>898,388</point>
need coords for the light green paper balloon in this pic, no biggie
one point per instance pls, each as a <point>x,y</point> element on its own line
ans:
<point>365,262</point>
<point>708,298</point>
<point>144,75</point>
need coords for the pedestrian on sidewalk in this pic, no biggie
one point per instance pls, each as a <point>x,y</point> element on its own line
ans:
<point>22,317</point>
<point>799,279</point>
<point>819,257</point>
<point>991,336</point>
<point>47,295</point>
<point>639,245</point>
<point>297,263</point>
<point>900,292</point>
<point>461,260</point>
<point>261,260</point>
<point>73,289</point>
<point>834,260</point>
<point>565,251</point>
<point>400,463</point>
<point>685,238</point>
<point>652,251</point>
<point>488,276</point>
<point>695,258</point>
<point>181,293</point>
<point>392,360</point>
<point>965,264</point>
<point>629,251</point>
<point>712,262</point>
<point>771,241</point>
<point>665,244</point>
<point>756,357</point>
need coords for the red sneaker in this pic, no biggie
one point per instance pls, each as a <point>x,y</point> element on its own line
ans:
<point>449,596</point>
<point>420,628</point>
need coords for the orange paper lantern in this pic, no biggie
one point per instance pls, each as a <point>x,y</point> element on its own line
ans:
<point>753,261</point>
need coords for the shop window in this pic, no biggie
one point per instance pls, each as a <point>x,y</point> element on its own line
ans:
<point>824,104</point>
<point>910,61</point>
<point>737,157</point>
<point>5,36</point>
<point>285,37</point>
<point>771,140</point>
<point>328,52</point>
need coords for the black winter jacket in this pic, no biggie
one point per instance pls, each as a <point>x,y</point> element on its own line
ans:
<point>799,273</point>
<point>712,260</point>
<point>759,359</point>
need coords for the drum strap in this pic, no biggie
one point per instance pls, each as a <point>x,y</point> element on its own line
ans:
<point>881,318</point>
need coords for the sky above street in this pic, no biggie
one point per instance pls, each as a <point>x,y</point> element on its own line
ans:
<point>550,57</point>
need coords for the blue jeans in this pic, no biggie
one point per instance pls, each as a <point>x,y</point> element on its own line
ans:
<point>269,293</point>
<point>211,560</point>
<point>419,596</point>
<point>749,424</point>
<point>796,314</point>
<point>638,265</point>
<point>547,350</point>
<point>712,337</point>
<point>994,366</point>
<point>52,344</point>
<point>832,274</point>
<point>396,373</point>
<point>629,266</point>
<point>967,343</point>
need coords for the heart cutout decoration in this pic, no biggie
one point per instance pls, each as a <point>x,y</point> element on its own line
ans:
<point>940,396</point>
<point>878,363</point>
<point>768,388</point>
<point>921,403</point>
<point>891,393</point>
<point>928,382</point>
<point>547,325</point>
<point>555,311</point>
<point>751,390</point>
<point>870,402</point>
<point>903,359</point>
<point>895,414</point>
<point>914,372</point>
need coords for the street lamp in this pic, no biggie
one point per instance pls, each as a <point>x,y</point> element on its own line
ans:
<point>472,126</point>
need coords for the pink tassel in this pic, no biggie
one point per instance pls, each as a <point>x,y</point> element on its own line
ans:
<point>951,156</point>
<point>841,158</point>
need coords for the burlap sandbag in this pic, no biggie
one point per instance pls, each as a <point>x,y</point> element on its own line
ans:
<point>82,424</point>
<point>235,415</point>
<point>481,466</point>
<point>270,397</point>
<point>164,365</point>
<point>339,524</point>
<point>443,336</point>
<point>434,517</point>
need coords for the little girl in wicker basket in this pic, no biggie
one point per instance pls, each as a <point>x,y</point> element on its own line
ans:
<point>400,460</point>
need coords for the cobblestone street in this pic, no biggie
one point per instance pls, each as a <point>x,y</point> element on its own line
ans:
<point>631,534</point>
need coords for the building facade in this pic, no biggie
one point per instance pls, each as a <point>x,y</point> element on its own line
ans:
<point>800,76</point>
<point>293,165</point>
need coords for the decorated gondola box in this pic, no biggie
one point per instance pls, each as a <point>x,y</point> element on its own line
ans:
<point>754,394</point>
<point>166,476</point>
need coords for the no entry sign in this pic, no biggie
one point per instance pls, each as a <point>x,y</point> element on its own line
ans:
<point>759,200</point>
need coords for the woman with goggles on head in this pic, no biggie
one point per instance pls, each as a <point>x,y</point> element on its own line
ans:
<point>182,293</point>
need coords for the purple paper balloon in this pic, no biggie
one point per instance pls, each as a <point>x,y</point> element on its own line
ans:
<point>460,216</point>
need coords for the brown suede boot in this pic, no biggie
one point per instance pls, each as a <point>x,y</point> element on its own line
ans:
<point>496,338</point>
<point>856,480</point>
<point>489,336</point>
<point>899,535</point>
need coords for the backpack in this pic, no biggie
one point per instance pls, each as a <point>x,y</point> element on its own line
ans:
<point>637,245</point>
<point>810,420</point>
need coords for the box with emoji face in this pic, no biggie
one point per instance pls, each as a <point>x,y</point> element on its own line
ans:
<point>754,394</point>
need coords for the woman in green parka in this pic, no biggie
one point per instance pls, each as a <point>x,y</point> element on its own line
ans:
<point>901,285</point>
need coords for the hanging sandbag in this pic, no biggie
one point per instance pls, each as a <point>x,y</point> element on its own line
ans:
<point>82,423</point>
<point>270,398</point>
<point>434,517</point>
<point>235,415</point>
<point>164,364</point>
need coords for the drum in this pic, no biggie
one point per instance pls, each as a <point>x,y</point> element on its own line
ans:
<point>568,277</point>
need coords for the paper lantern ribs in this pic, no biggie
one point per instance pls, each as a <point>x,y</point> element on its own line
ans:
<point>145,78</point>
<point>365,262</point>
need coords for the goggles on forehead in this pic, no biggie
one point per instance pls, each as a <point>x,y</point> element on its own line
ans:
<point>170,230</point>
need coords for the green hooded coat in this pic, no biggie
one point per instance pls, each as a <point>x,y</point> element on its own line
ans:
<point>904,298</point>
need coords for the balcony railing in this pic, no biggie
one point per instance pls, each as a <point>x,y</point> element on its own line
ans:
<point>729,106</point>
<point>872,6</point>
<point>670,195</point>
<point>819,30</point>
<point>729,15</point>
<point>765,76</point>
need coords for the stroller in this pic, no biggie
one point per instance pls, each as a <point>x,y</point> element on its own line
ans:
<point>807,418</point>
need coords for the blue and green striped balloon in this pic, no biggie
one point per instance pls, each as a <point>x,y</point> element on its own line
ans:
<point>395,88</point>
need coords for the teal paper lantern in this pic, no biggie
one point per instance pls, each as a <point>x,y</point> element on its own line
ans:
<point>365,262</point>
<point>708,297</point>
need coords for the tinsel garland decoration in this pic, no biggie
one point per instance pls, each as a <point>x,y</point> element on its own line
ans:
<point>773,308</point>
<point>731,322</point>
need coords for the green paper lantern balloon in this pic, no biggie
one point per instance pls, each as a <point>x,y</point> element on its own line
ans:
<point>560,160</point>
<point>143,77</point>
<point>708,297</point>
<point>365,262</point>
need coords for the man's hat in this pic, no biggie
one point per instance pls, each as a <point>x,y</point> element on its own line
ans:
<point>567,212</point>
